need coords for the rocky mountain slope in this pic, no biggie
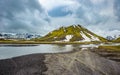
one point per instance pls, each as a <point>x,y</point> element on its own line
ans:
<point>76,33</point>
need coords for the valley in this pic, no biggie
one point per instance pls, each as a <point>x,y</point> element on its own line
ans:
<point>72,50</point>
<point>59,37</point>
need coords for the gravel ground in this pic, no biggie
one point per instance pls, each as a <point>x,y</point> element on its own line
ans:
<point>82,62</point>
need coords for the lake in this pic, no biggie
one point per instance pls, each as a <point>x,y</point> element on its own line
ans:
<point>13,50</point>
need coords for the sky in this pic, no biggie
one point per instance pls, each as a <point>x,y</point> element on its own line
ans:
<point>42,16</point>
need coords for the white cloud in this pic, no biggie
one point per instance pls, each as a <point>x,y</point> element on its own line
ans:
<point>50,4</point>
<point>109,28</point>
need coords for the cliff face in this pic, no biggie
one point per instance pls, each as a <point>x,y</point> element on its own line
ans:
<point>82,62</point>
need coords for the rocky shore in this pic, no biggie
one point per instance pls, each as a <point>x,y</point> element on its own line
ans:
<point>81,62</point>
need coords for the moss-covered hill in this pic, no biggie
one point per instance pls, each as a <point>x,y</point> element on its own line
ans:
<point>73,33</point>
<point>117,40</point>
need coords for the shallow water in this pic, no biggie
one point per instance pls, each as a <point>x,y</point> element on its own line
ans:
<point>13,50</point>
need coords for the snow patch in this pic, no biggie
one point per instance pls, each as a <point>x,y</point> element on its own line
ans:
<point>68,37</point>
<point>55,37</point>
<point>93,38</point>
<point>86,39</point>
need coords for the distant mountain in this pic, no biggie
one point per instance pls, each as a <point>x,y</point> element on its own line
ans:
<point>18,36</point>
<point>74,33</point>
<point>110,38</point>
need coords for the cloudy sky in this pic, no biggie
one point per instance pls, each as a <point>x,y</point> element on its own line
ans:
<point>42,16</point>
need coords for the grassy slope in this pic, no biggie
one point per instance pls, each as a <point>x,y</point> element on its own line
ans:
<point>61,34</point>
<point>101,38</point>
<point>42,42</point>
<point>117,40</point>
<point>71,30</point>
<point>110,48</point>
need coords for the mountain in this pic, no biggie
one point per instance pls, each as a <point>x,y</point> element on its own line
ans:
<point>73,33</point>
<point>110,38</point>
<point>117,40</point>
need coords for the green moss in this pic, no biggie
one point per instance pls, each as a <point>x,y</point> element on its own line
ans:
<point>87,34</point>
<point>61,33</point>
<point>110,48</point>
<point>117,40</point>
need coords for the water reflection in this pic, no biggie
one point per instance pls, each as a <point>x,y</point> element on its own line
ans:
<point>13,50</point>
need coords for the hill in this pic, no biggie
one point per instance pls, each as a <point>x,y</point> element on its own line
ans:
<point>117,40</point>
<point>73,33</point>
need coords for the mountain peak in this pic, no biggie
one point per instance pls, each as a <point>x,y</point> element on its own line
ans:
<point>73,33</point>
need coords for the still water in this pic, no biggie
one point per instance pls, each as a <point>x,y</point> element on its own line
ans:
<point>13,50</point>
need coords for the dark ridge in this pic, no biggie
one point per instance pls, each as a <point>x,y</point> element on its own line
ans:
<point>25,65</point>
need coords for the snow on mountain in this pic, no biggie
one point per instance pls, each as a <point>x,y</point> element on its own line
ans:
<point>85,38</point>
<point>68,37</point>
<point>94,38</point>
<point>74,33</point>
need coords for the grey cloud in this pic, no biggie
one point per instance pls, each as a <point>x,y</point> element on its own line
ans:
<point>30,16</point>
<point>90,13</point>
<point>117,9</point>
<point>11,6</point>
<point>22,16</point>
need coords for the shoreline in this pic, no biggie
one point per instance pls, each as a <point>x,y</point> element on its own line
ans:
<point>45,42</point>
<point>72,51</point>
